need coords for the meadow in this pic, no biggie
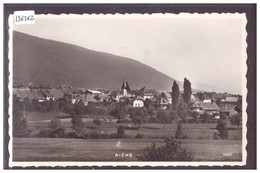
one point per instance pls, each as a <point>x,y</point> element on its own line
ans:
<point>199,141</point>
<point>58,149</point>
<point>38,121</point>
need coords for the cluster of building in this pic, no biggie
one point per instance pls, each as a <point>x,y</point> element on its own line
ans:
<point>228,104</point>
<point>69,94</point>
<point>135,97</point>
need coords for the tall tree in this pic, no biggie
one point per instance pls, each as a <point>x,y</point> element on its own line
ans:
<point>175,94</point>
<point>138,116</point>
<point>118,111</point>
<point>163,117</point>
<point>187,91</point>
<point>148,103</point>
<point>79,108</point>
<point>182,111</point>
<point>77,123</point>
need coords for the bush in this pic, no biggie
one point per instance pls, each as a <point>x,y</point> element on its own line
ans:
<point>174,115</point>
<point>222,129</point>
<point>153,120</point>
<point>93,135</point>
<point>121,131</point>
<point>52,133</point>
<point>171,151</point>
<point>57,133</point>
<point>139,135</point>
<point>77,123</point>
<point>44,133</point>
<point>114,135</point>
<point>213,121</point>
<point>183,120</point>
<point>216,137</point>
<point>39,107</point>
<point>20,124</point>
<point>236,119</point>
<point>23,130</point>
<point>195,116</point>
<point>54,123</point>
<point>205,118</point>
<point>97,121</point>
<point>179,132</point>
<point>191,121</point>
<point>76,135</point>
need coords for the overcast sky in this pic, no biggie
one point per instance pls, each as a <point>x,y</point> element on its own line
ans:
<point>205,49</point>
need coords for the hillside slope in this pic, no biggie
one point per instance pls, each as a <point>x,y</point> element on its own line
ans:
<point>41,61</point>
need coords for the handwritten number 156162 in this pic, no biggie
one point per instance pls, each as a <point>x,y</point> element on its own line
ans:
<point>24,18</point>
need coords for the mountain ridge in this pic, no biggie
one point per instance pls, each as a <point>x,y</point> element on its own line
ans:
<point>49,62</point>
<point>36,58</point>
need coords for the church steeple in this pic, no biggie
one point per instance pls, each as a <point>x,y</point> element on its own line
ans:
<point>127,87</point>
<point>123,86</point>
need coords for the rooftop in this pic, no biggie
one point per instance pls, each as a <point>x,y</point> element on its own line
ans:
<point>231,99</point>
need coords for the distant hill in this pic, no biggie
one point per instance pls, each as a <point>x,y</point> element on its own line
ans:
<point>46,62</point>
<point>207,87</point>
<point>42,61</point>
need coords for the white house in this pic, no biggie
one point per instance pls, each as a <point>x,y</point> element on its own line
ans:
<point>231,99</point>
<point>148,96</point>
<point>138,103</point>
<point>207,101</point>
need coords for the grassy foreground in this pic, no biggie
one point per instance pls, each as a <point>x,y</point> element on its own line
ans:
<point>58,149</point>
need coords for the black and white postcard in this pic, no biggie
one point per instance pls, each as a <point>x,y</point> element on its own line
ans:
<point>131,89</point>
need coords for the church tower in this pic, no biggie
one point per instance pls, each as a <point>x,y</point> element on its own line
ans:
<point>125,88</point>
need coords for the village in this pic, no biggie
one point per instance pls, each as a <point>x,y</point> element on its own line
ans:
<point>211,103</point>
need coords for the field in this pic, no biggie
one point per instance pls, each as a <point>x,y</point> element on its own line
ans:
<point>199,142</point>
<point>40,149</point>
<point>38,121</point>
